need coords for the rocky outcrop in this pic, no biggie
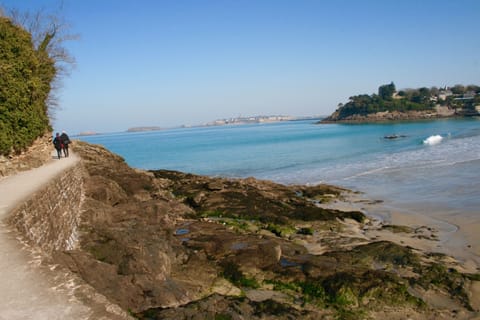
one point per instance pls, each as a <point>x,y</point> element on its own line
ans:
<point>387,116</point>
<point>170,245</point>
<point>36,155</point>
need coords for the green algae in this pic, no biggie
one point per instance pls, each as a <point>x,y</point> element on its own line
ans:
<point>449,279</point>
<point>232,273</point>
<point>398,228</point>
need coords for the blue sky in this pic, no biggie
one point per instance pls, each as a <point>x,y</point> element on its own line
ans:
<point>169,63</point>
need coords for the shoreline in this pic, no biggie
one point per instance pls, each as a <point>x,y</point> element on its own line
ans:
<point>253,240</point>
<point>395,116</point>
<point>457,239</point>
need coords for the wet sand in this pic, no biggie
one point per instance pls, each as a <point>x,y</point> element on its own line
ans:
<point>456,235</point>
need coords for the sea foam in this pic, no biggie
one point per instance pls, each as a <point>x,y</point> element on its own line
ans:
<point>433,140</point>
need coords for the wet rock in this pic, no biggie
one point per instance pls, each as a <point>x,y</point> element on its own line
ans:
<point>171,245</point>
<point>105,190</point>
<point>220,307</point>
<point>254,199</point>
<point>215,186</point>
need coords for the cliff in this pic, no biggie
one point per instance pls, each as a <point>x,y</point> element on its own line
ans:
<point>171,245</point>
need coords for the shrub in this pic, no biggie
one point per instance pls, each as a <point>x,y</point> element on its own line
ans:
<point>25,85</point>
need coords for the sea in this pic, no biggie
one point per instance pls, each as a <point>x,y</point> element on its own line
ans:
<point>431,166</point>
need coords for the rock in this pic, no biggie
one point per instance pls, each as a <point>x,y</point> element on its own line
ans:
<point>231,258</point>
<point>385,116</point>
<point>39,153</point>
<point>225,288</point>
<point>215,186</point>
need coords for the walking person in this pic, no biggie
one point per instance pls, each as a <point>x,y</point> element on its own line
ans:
<point>65,142</point>
<point>57,142</point>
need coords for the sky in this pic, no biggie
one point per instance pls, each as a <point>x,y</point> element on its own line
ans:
<point>169,63</point>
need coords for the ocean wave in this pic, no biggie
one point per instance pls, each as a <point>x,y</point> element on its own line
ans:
<point>443,155</point>
<point>433,140</point>
<point>368,172</point>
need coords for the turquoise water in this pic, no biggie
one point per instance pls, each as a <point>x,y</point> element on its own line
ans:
<point>403,171</point>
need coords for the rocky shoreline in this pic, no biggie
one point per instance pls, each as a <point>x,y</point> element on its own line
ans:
<point>171,245</point>
<point>391,116</point>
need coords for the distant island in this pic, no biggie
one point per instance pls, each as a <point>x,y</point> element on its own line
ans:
<point>87,133</point>
<point>234,121</point>
<point>253,120</point>
<point>409,104</point>
<point>141,129</point>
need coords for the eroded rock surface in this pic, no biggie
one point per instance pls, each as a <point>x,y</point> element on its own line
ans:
<point>170,245</point>
<point>36,155</point>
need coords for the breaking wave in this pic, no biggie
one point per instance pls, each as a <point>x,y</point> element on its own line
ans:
<point>433,140</point>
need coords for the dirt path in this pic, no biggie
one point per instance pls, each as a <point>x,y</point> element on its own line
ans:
<point>26,290</point>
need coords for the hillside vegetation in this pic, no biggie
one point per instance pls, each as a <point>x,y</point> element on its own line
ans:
<point>460,99</point>
<point>25,83</point>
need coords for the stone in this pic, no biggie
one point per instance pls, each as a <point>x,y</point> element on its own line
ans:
<point>232,258</point>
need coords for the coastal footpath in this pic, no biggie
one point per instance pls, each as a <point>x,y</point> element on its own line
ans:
<point>170,245</point>
<point>42,206</point>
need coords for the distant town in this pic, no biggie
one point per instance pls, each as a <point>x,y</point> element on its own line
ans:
<point>247,120</point>
<point>232,121</point>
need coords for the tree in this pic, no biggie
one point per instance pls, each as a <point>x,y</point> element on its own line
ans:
<point>458,89</point>
<point>31,64</point>
<point>24,88</point>
<point>49,33</point>
<point>434,91</point>
<point>386,91</point>
<point>473,88</point>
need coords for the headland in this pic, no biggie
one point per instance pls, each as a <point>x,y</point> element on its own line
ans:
<point>409,104</point>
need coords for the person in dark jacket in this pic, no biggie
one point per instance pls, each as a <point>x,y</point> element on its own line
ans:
<point>65,142</point>
<point>57,142</point>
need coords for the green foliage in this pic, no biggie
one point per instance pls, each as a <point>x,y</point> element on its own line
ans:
<point>422,99</point>
<point>366,104</point>
<point>24,88</point>
<point>386,91</point>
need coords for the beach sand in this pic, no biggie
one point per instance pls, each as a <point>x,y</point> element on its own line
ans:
<point>456,235</point>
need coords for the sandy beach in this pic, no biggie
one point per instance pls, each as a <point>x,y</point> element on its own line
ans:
<point>456,236</point>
